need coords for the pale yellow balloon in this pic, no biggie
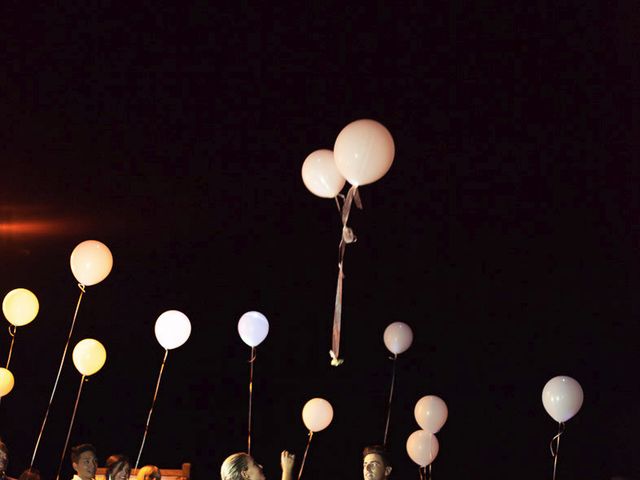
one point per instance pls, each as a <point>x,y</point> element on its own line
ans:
<point>89,356</point>
<point>364,152</point>
<point>320,174</point>
<point>6,382</point>
<point>91,262</point>
<point>20,306</point>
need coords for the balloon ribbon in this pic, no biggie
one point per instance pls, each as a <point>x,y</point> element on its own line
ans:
<point>153,402</point>
<point>55,384</point>
<point>251,361</point>
<point>347,237</point>
<point>554,451</point>
<point>304,458</point>
<point>12,332</point>
<point>73,417</point>
<point>393,382</point>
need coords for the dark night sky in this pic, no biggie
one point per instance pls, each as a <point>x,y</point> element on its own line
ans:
<point>504,234</point>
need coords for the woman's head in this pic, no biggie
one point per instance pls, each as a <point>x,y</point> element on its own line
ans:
<point>149,472</point>
<point>118,468</point>
<point>241,466</point>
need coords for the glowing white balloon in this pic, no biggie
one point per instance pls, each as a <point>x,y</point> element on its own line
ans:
<point>6,382</point>
<point>320,174</point>
<point>431,413</point>
<point>89,356</point>
<point>364,152</point>
<point>317,414</point>
<point>253,328</point>
<point>91,262</point>
<point>20,306</point>
<point>398,337</point>
<point>172,329</point>
<point>423,447</point>
<point>562,398</point>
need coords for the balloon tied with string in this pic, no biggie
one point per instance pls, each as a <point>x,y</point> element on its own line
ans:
<point>362,154</point>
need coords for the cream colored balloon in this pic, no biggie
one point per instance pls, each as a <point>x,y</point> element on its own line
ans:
<point>20,306</point>
<point>320,174</point>
<point>423,447</point>
<point>317,414</point>
<point>91,262</point>
<point>364,152</point>
<point>6,382</point>
<point>89,356</point>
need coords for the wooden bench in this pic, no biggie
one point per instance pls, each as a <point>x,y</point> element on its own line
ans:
<point>167,473</point>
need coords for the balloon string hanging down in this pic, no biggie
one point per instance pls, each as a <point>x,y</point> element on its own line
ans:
<point>55,383</point>
<point>393,381</point>
<point>346,238</point>
<point>251,362</point>
<point>556,450</point>
<point>153,402</point>
<point>73,417</point>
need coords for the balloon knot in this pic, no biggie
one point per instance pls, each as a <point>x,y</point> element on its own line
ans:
<point>335,361</point>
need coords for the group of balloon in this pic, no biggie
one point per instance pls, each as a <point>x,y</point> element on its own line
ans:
<point>363,153</point>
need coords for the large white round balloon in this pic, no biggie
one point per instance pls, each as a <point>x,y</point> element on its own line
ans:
<point>253,328</point>
<point>320,174</point>
<point>398,337</point>
<point>364,152</point>
<point>6,382</point>
<point>423,447</point>
<point>431,413</point>
<point>172,329</point>
<point>562,398</point>
<point>20,306</point>
<point>91,262</point>
<point>89,356</point>
<point>317,414</point>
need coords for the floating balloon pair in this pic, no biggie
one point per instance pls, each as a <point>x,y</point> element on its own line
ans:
<point>362,154</point>
<point>431,413</point>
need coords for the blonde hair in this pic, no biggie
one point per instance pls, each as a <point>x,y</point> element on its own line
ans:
<point>233,466</point>
<point>148,470</point>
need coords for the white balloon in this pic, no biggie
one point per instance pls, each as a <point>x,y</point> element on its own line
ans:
<point>364,152</point>
<point>317,414</point>
<point>431,413</point>
<point>422,447</point>
<point>398,337</point>
<point>562,398</point>
<point>320,174</point>
<point>253,328</point>
<point>91,261</point>
<point>172,329</point>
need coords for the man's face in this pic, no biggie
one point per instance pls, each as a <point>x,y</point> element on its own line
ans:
<point>373,468</point>
<point>86,465</point>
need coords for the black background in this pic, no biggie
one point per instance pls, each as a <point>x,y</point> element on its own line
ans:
<point>505,233</point>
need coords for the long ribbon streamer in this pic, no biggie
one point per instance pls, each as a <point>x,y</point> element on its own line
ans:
<point>393,382</point>
<point>251,361</point>
<point>55,384</point>
<point>346,238</point>
<point>153,402</point>
<point>73,417</point>
<point>304,458</point>
<point>554,452</point>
